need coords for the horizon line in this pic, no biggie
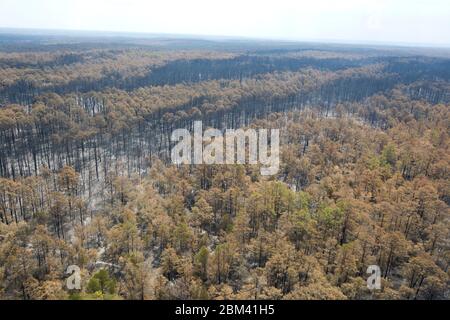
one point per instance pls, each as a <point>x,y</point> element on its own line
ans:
<point>216,37</point>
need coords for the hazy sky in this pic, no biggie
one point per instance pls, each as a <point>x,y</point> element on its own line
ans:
<point>389,21</point>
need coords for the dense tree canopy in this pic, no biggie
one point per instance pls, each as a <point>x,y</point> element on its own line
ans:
<point>85,176</point>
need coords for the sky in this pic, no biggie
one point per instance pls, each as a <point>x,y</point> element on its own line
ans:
<point>425,22</point>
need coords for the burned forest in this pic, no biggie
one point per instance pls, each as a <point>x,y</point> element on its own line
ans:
<point>86,177</point>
